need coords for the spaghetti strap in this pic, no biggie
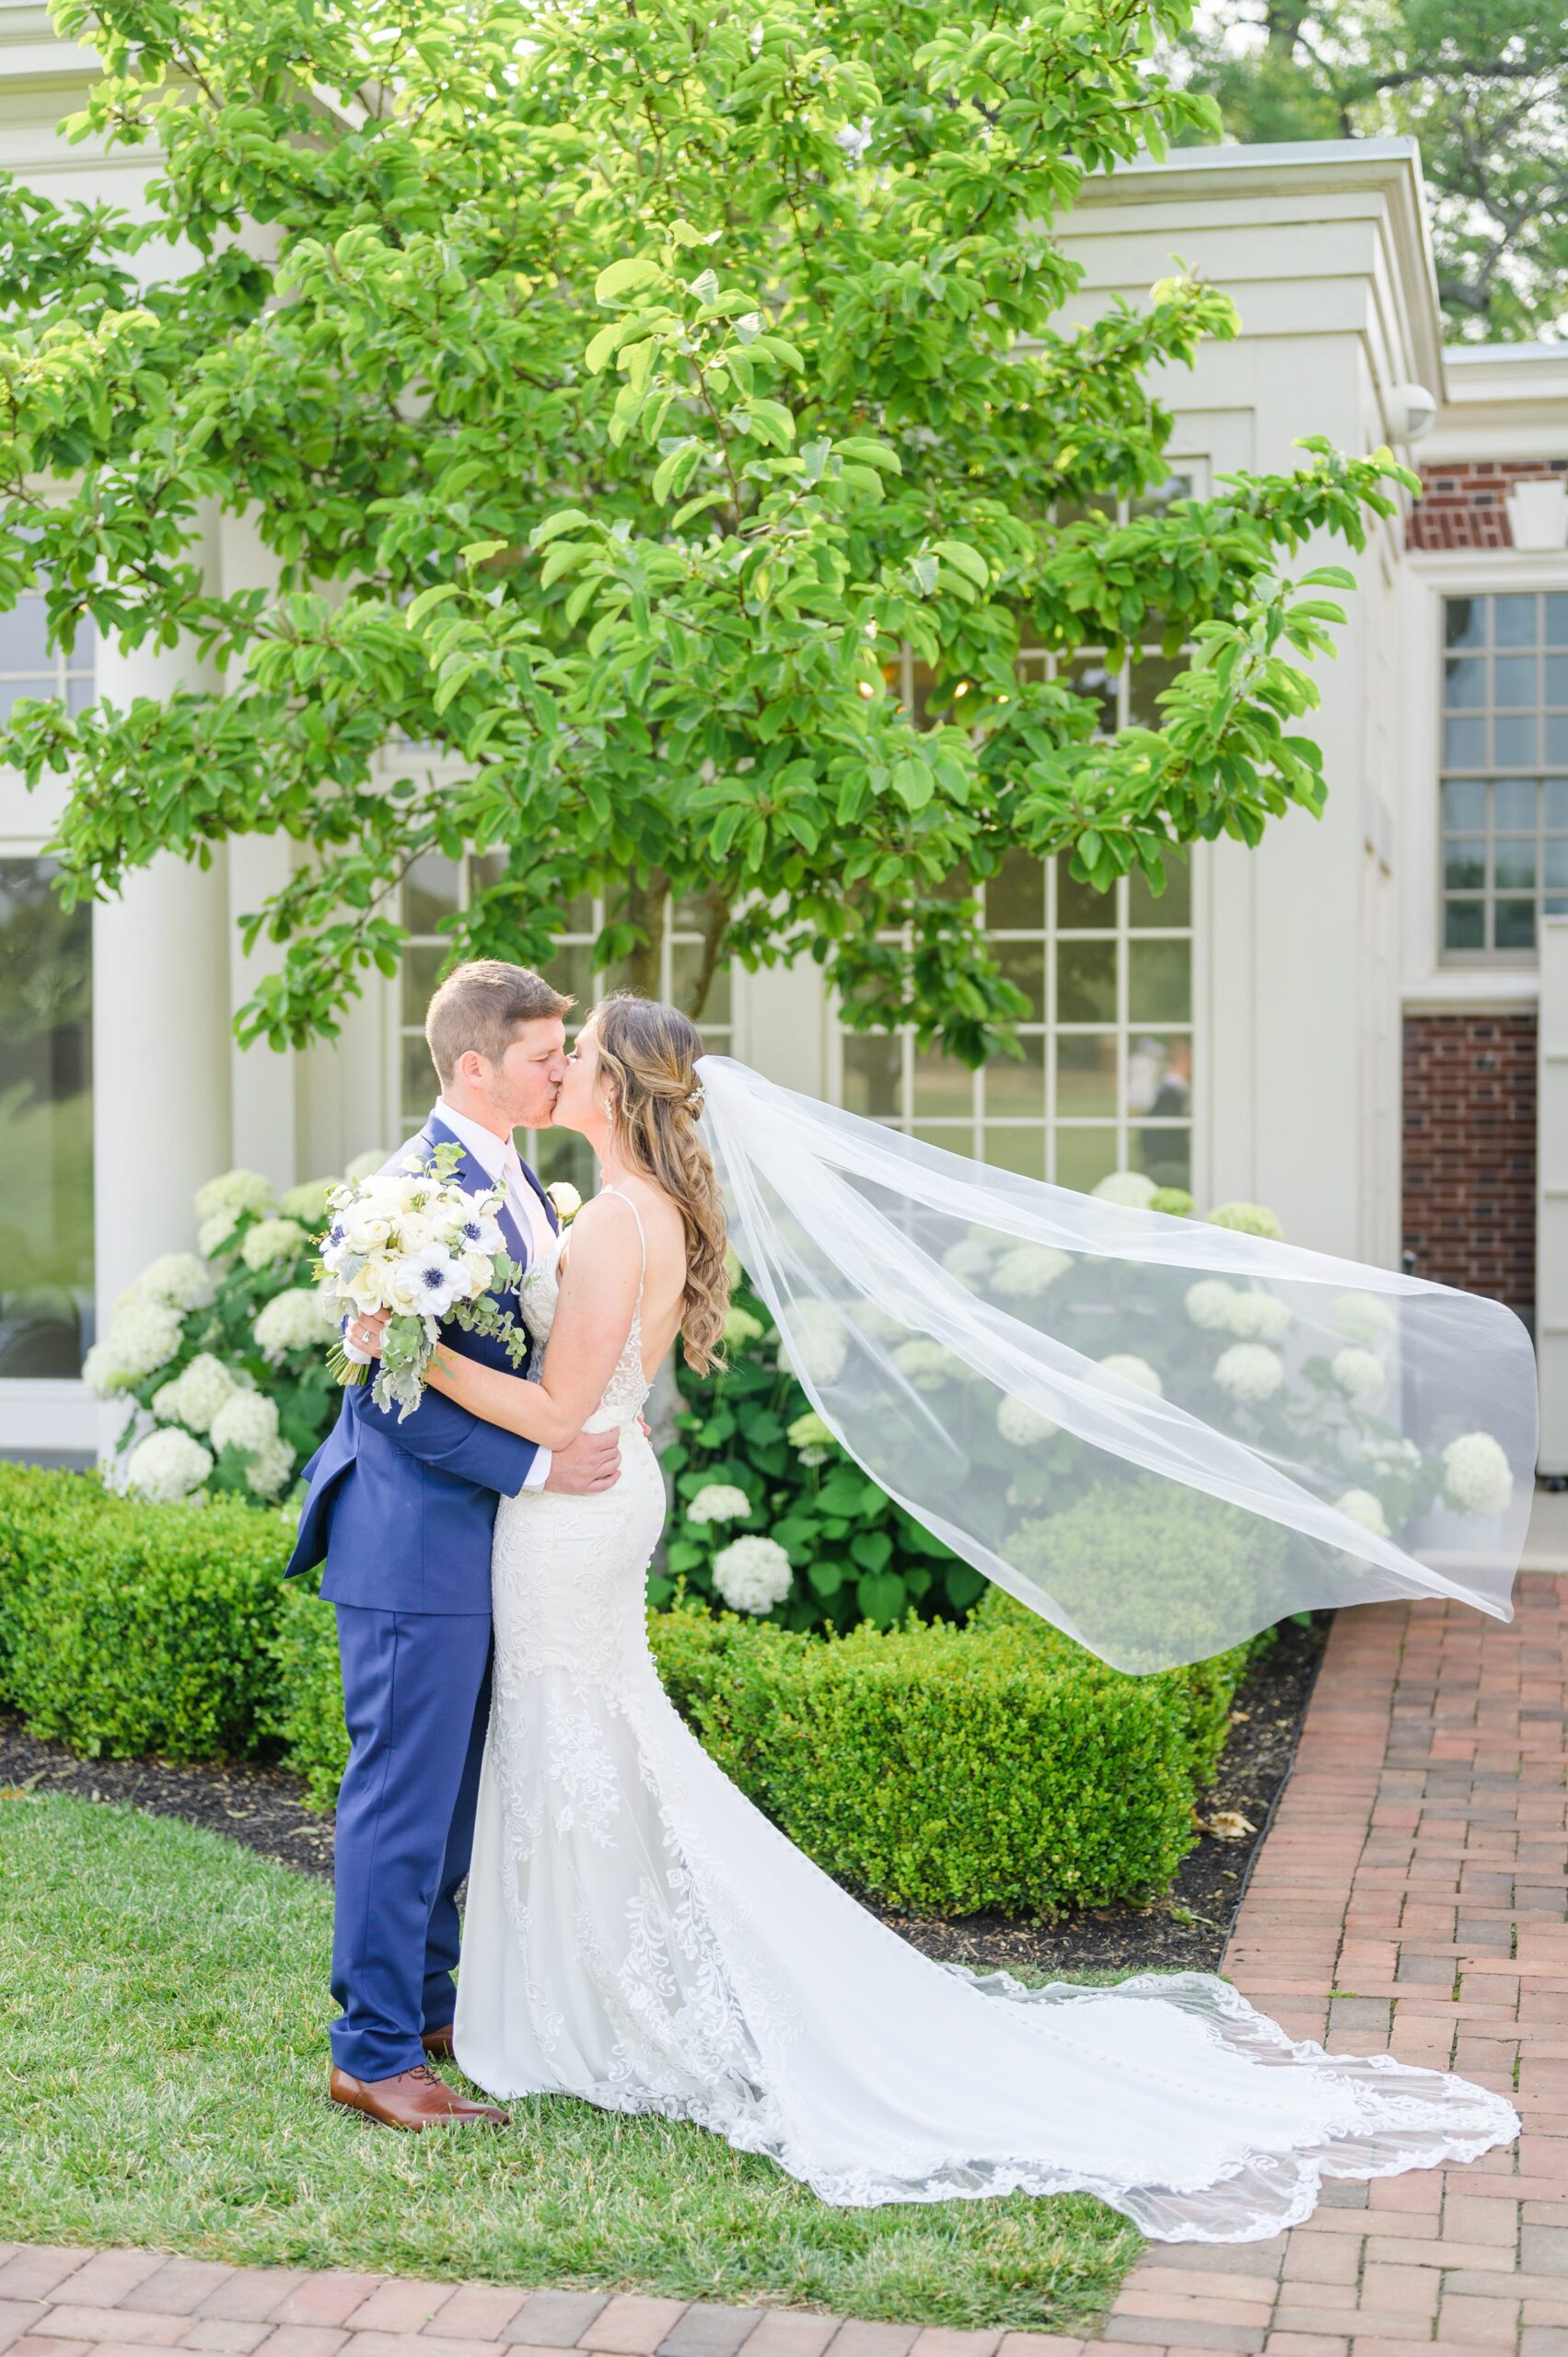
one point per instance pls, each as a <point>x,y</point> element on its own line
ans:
<point>641,1238</point>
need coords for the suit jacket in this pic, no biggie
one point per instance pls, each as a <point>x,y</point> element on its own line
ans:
<point>404,1513</point>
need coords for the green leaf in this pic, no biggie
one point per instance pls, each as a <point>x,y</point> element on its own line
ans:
<point>964,559</point>
<point>624,277</point>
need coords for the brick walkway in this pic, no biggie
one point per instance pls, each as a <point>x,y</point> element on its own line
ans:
<point>1412,1895</point>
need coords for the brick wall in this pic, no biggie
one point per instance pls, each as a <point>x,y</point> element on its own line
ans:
<point>1465,505</point>
<point>1470,1151</point>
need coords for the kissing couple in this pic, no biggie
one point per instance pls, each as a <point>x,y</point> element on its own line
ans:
<point>635,1933</point>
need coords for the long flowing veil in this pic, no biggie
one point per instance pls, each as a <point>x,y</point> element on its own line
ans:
<point>1160,1434</point>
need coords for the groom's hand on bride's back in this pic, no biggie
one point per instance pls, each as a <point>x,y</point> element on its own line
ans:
<point>590,1462</point>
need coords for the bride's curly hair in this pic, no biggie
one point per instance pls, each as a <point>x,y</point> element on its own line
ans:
<point>648,1053</point>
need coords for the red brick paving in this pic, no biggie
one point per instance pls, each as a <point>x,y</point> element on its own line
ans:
<point>1412,1896</point>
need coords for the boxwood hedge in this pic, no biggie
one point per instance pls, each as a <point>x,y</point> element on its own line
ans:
<point>945,1770</point>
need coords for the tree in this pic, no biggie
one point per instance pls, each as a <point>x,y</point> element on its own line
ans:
<point>1483,86</point>
<point>618,388</point>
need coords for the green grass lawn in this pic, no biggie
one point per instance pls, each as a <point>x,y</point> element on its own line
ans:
<point>163,2083</point>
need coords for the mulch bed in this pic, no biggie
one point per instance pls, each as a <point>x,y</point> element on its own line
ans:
<point>263,1808</point>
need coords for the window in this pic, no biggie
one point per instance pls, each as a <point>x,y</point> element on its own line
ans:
<point>46,1139</point>
<point>1505,772</point>
<point>435,888</point>
<point>1106,1079</point>
<point>27,667</point>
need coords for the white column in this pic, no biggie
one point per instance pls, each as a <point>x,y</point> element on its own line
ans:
<point>160,1030</point>
<point>1552,1195</point>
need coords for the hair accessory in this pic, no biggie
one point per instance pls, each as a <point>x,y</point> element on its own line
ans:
<point>694,1103</point>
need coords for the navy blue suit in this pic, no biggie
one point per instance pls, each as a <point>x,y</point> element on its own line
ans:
<point>402,1515</point>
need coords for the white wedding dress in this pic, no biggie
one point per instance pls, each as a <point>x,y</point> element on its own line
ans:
<point>639,1935</point>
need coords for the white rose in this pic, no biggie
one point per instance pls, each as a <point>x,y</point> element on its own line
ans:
<point>365,1225</point>
<point>752,1575</point>
<point>1129,1186</point>
<point>1257,1317</point>
<point>271,1240</point>
<point>1026,1271</point>
<point>817,1347</point>
<point>1250,1371</point>
<point>195,1395</point>
<point>369,1288</point>
<point>414,1232</point>
<point>1359,1372</point>
<point>270,1468</point>
<point>1363,1316</point>
<point>719,1502</point>
<point>1135,1370</point>
<point>1020,1425</point>
<point>167,1466</point>
<point>1477,1475</point>
<point>1361,1505</point>
<point>234,1192</point>
<point>1208,1302</point>
<point>566,1201</point>
<point>295,1320</point>
<point>247,1419</point>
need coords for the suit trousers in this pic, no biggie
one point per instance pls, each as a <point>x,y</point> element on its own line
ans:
<point>416,1695</point>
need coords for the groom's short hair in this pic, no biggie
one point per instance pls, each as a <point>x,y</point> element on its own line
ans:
<point>483,1005</point>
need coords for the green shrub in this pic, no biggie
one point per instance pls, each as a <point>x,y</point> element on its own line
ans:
<point>127,1626</point>
<point>307,1712</point>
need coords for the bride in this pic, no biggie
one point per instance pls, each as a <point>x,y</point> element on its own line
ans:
<point>637,1934</point>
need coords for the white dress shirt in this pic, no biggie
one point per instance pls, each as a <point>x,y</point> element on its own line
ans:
<point>502,1165</point>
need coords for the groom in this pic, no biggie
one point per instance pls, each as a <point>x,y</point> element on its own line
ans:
<point>402,1513</point>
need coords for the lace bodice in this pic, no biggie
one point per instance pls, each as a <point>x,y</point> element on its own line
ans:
<point>628,1386</point>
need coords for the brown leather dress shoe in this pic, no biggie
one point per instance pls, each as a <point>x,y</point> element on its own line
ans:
<point>437,2043</point>
<point>414,2098</point>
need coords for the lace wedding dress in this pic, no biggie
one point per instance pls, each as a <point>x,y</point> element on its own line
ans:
<point>639,1935</point>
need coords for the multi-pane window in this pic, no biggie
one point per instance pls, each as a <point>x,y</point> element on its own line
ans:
<point>46,1126</point>
<point>433,888</point>
<point>1106,1079</point>
<point>28,666</point>
<point>1505,770</point>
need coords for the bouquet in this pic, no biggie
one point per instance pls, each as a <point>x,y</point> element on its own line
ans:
<point>413,1243</point>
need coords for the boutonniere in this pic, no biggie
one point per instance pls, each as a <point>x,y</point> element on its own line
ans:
<point>564,1201</point>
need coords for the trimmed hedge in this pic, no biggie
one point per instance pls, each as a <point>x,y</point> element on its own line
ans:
<point>948,1771</point>
<point>129,1628</point>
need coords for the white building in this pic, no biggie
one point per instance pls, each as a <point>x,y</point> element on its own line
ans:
<point>1341,1024</point>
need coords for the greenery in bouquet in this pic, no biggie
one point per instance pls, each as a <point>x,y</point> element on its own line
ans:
<point>222,1353</point>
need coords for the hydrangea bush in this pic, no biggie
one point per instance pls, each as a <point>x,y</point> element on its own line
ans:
<point>222,1352</point>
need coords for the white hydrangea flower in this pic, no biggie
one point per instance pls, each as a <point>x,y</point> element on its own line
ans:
<point>365,1166</point>
<point>1257,1315</point>
<point>820,1348</point>
<point>1476,1474</point>
<point>1361,1505</point>
<point>1248,1219</point>
<point>214,1234</point>
<point>177,1280</point>
<point>1250,1371</point>
<point>167,1466</point>
<point>1208,1303</point>
<point>1129,1186</point>
<point>1363,1316</point>
<point>269,1468</point>
<point>741,1328</point>
<point>752,1575</point>
<point>144,1337</point>
<point>1027,1270</point>
<point>298,1319</point>
<point>309,1201</point>
<point>1020,1425</point>
<point>1393,1454</point>
<point>234,1192</point>
<point>1133,1369</point>
<point>247,1419</point>
<point>969,1258</point>
<point>877,1323</point>
<point>271,1240</point>
<point>1359,1372</point>
<point>195,1395</point>
<point>810,1438</point>
<point>926,1364</point>
<point>719,1502</point>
